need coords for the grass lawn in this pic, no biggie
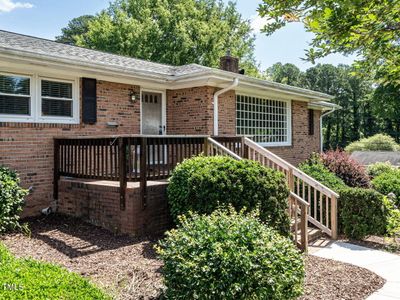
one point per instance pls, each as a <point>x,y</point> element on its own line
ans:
<point>31,279</point>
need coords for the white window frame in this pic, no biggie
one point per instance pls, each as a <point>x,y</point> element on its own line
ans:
<point>36,100</point>
<point>75,102</point>
<point>288,141</point>
<point>21,118</point>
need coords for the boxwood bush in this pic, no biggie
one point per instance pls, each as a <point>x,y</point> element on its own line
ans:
<point>362,212</point>
<point>378,168</point>
<point>388,182</point>
<point>318,171</point>
<point>11,199</point>
<point>202,184</point>
<point>229,255</point>
<point>378,142</point>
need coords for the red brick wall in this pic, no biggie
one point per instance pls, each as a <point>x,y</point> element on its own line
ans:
<point>303,144</point>
<point>28,147</point>
<point>227,113</point>
<point>99,205</point>
<point>190,111</point>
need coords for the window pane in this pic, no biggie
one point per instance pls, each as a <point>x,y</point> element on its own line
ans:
<point>263,119</point>
<point>10,84</point>
<point>56,89</point>
<point>14,105</point>
<point>56,108</point>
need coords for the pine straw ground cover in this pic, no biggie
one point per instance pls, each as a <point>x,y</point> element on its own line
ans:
<point>128,269</point>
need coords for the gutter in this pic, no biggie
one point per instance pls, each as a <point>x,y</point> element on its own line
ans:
<point>216,95</point>
<point>320,127</point>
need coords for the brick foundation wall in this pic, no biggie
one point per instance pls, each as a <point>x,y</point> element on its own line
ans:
<point>98,203</point>
<point>28,147</point>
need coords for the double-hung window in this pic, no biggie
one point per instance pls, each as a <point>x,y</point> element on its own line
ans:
<point>56,98</point>
<point>38,99</point>
<point>15,95</point>
<point>266,121</point>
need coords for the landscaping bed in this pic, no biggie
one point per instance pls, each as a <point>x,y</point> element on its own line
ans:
<point>128,269</point>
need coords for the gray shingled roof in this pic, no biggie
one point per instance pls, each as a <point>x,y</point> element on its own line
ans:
<point>28,44</point>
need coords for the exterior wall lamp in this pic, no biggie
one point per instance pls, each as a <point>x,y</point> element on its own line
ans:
<point>132,96</point>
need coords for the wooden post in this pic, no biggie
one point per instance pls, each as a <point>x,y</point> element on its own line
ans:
<point>143,171</point>
<point>245,148</point>
<point>334,216</point>
<point>304,228</point>
<point>122,171</point>
<point>56,168</point>
<point>206,149</point>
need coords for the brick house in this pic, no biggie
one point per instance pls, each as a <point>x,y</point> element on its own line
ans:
<point>49,89</point>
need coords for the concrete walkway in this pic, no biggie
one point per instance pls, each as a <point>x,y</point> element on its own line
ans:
<point>382,263</point>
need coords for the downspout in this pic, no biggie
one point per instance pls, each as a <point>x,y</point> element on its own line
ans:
<point>320,127</point>
<point>216,95</point>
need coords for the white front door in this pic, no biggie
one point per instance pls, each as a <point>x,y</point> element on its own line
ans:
<point>152,113</point>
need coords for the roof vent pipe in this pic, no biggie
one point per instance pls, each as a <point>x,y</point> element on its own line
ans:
<point>216,95</point>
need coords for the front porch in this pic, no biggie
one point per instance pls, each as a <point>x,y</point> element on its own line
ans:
<point>112,182</point>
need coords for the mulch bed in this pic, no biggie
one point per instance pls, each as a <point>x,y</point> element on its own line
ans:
<point>128,268</point>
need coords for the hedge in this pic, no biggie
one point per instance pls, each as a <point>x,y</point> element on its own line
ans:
<point>388,182</point>
<point>202,184</point>
<point>378,142</point>
<point>11,199</point>
<point>362,212</point>
<point>229,255</point>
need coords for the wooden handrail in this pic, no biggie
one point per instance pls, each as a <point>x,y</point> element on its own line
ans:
<point>321,200</point>
<point>287,166</point>
<point>213,143</point>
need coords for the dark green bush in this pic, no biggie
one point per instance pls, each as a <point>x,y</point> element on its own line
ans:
<point>11,199</point>
<point>202,184</point>
<point>362,212</point>
<point>318,171</point>
<point>388,182</point>
<point>229,255</point>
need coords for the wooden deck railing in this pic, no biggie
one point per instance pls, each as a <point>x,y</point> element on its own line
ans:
<point>322,201</point>
<point>141,158</point>
<point>127,158</point>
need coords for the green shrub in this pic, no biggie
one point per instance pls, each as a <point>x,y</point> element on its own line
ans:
<point>393,221</point>
<point>362,212</point>
<point>378,142</point>
<point>388,182</point>
<point>378,168</point>
<point>202,184</point>
<point>319,172</point>
<point>11,199</point>
<point>229,255</point>
<point>31,279</point>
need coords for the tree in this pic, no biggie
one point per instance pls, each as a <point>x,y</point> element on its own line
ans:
<point>77,27</point>
<point>370,29</point>
<point>388,115</point>
<point>175,32</point>
<point>285,73</point>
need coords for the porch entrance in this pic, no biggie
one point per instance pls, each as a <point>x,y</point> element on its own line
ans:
<point>152,113</point>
